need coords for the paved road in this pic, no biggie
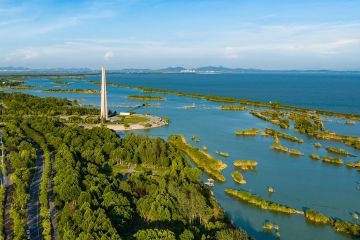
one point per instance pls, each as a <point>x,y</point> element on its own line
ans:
<point>33,207</point>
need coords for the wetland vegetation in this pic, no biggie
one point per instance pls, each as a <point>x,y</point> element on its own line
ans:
<point>260,202</point>
<point>245,164</point>
<point>314,156</point>
<point>339,151</point>
<point>317,145</point>
<point>62,82</point>
<point>78,90</point>
<point>278,147</point>
<point>202,159</point>
<point>349,122</point>
<point>307,123</point>
<point>338,225</point>
<point>195,138</point>
<point>238,177</point>
<point>272,117</point>
<point>146,98</point>
<point>354,164</point>
<point>222,154</point>
<point>249,132</point>
<point>279,134</point>
<point>334,161</point>
<point>233,108</point>
<point>348,140</point>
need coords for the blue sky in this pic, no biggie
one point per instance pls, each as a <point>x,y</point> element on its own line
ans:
<point>267,34</point>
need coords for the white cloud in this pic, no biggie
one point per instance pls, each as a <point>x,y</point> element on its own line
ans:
<point>231,53</point>
<point>22,55</point>
<point>108,55</point>
<point>29,54</point>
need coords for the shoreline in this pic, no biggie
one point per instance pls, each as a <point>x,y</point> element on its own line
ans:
<point>154,121</point>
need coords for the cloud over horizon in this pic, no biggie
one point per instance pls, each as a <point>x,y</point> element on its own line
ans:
<point>159,34</point>
<point>108,55</point>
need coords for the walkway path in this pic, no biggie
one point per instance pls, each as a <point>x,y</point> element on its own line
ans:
<point>129,172</point>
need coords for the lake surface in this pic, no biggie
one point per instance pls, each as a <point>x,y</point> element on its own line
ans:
<point>299,182</point>
<point>330,91</point>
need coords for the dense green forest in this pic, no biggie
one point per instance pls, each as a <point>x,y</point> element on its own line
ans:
<point>95,200</point>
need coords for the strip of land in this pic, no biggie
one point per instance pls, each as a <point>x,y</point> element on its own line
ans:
<point>261,203</point>
<point>146,98</point>
<point>84,91</point>
<point>203,160</point>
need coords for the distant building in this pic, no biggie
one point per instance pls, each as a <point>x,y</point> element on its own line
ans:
<point>125,114</point>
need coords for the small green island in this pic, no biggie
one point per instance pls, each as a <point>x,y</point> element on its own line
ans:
<point>78,90</point>
<point>245,164</point>
<point>195,138</point>
<point>339,151</point>
<point>354,164</point>
<point>222,154</point>
<point>268,226</point>
<point>272,228</point>
<point>146,98</point>
<point>338,225</point>
<point>249,132</point>
<point>317,145</point>
<point>348,140</point>
<point>349,122</point>
<point>334,161</point>
<point>61,82</point>
<point>278,147</point>
<point>260,202</point>
<point>272,116</point>
<point>273,132</point>
<point>238,177</point>
<point>314,156</point>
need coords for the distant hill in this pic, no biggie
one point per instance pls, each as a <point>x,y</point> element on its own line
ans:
<point>225,69</point>
<point>14,69</point>
<point>173,69</point>
<point>169,70</point>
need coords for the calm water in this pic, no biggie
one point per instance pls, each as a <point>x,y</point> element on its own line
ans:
<point>329,91</point>
<point>298,181</point>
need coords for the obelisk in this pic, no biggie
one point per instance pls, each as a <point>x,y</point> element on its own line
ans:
<point>104,110</point>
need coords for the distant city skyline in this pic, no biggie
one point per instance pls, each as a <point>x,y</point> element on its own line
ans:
<point>269,35</point>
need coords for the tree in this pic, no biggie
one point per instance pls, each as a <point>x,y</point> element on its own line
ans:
<point>155,234</point>
<point>187,235</point>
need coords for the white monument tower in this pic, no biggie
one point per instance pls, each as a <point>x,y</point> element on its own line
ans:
<point>104,109</point>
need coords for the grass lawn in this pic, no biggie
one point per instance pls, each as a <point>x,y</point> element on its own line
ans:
<point>134,119</point>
